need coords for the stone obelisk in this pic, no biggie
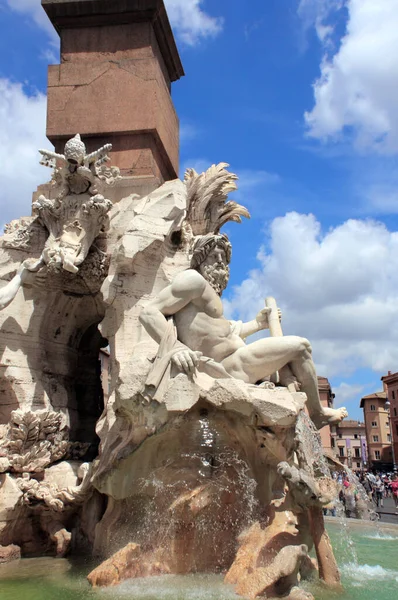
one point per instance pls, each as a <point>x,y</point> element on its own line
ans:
<point>118,61</point>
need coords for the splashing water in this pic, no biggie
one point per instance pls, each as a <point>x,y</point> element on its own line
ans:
<point>311,446</point>
<point>361,575</point>
<point>382,536</point>
<point>203,497</point>
<point>312,450</point>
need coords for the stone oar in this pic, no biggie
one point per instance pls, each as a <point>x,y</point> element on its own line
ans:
<point>275,330</point>
<point>328,569</point>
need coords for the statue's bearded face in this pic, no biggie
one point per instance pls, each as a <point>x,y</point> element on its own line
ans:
<point>215,269</point>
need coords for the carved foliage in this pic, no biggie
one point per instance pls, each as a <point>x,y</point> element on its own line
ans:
<point>207,194</point>
<point>37,494</point>
<point>34,440</point>
<point>24,234</point>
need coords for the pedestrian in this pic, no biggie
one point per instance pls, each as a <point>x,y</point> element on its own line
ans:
<point>349,495</point>
<point>368,488</point>
<point>394,487</point>
<point>379,491</point>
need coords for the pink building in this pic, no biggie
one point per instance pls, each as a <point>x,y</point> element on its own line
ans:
<point>390,384</point>
<point>378,433</point>
<point>349,444</point>
<point>326,395</point>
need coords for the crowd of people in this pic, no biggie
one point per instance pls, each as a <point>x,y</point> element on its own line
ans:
<point>353,498</point>
<point>380,486</point>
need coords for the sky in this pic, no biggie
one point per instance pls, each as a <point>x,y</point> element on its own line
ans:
<point>299,97</point>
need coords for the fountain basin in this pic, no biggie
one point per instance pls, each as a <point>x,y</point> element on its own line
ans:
<point>367,556</point>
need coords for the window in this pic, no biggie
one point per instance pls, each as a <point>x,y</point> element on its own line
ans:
<point>358,464</point>
<point>340,435</point>
<point>396,428</point>
<point>393,395</point>
<point>355,436</point>
<point>333,443</point>
<point>372,407</point>
<point>374,423</point>
<point>341,450</point>
<point>357,453</point>
<point>388,437</point>
<point>377,454</point>
<point>375,438</point>
<point>395,412</point>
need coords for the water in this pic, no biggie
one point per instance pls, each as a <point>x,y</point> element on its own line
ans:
<point>373,576</point>
<point>374,573</point>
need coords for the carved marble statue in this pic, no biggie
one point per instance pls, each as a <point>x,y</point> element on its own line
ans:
<point>74,215</point>
<point>193,300</point>
<point>78,212</point>
<point>198,443</point>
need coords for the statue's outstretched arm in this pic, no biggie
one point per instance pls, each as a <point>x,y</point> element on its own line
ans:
<point>9,291</point>
<point>258,324</point>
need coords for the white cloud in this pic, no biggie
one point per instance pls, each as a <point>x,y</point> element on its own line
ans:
<point>22,133</point>
<point>187,17</point>
<point>315,13</point>
<point>34,9</point>
<point>190,22</point>
<point>338,289</point>
<point>348,393</point>
<point>356,92</point>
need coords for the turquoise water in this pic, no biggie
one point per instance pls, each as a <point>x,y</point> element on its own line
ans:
<point>368,560</point>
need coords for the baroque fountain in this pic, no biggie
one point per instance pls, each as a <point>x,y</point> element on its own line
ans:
<point>200,459</point>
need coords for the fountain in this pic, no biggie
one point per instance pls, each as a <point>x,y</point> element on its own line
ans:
<point>201,464</point>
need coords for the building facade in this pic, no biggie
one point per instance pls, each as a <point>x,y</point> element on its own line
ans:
<point>378,434</point>
<point>349,444</point>
<point>390,383</point>
<point>326,395</point>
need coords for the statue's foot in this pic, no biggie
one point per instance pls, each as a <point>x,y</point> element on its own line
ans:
<point>329,416</point>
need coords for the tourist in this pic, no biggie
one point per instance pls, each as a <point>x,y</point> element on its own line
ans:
<point>394,487</point>
<point>350,500</point>
<point>368,488</point>
<point>379,491</point>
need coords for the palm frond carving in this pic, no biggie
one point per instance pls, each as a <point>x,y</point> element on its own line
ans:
<point>207,199</point>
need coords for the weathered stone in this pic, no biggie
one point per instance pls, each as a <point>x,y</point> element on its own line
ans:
<point>128,50</point>
<point>9,553</point>
<point>297,593</point>
<point>129,562</point>
<point>270,555</point>
<point>185,443</point>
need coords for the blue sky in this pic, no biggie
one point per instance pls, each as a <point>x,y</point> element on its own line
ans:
<point>299,97</point>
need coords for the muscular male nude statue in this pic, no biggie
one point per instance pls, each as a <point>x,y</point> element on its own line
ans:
<point>193,299</point>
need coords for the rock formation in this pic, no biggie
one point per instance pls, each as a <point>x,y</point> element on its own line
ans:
<point>197,442</point>
<point>193,460</point>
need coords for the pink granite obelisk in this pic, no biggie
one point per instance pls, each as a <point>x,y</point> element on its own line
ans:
<point>118,60</point>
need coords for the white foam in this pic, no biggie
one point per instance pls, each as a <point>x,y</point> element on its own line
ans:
<point>171,587</point>
<point>360,575</point>
<point>381,536</point>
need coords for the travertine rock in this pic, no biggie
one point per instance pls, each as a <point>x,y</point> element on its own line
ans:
<point>34,440</point>
<point>9,553</point>
<point>192,428</point>
<point>270,555</point>
<point>129,562</point>
<point>48,494</point>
